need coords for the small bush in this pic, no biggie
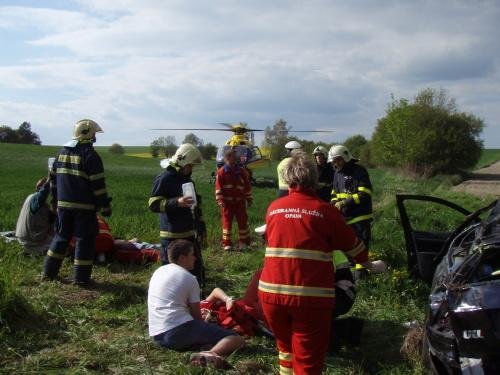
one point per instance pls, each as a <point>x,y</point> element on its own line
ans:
<point>116,148</point>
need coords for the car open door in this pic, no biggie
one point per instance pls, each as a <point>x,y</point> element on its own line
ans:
<point>424,245</point>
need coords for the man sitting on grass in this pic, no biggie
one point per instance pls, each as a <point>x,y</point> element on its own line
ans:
<point>174,310</point>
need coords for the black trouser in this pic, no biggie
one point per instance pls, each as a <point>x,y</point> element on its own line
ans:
<point>82,224</point>
<point>363,230</point>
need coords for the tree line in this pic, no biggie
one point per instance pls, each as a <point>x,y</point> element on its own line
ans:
<point>166,146</point>
<point>428,135</point>
<point>23,134</point>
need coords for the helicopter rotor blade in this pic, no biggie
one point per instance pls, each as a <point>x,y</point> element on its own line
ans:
<point>242,127</point>
<point>202,129</point>
<point>311,131</point>
<point>227,124</point>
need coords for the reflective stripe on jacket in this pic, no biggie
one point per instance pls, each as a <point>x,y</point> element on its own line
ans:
<point>352,185</point>
<point>232,185</point>
<point>302,231</point>
<point>175,222</point>
<point>281,166</point>
<point>77,179</point>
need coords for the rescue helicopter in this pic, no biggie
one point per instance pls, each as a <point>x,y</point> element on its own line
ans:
<point>242,143</point>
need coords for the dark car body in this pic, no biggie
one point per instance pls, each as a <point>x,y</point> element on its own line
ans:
<point>462,328</point>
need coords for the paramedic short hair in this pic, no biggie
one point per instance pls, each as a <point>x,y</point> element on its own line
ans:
<point>301,170</point>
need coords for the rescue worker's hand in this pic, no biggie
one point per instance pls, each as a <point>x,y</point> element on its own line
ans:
<point>106,211</point>
<point>249,202</point>
<point>229,302</point>
<point>185,202</point>
<point>339,205</point>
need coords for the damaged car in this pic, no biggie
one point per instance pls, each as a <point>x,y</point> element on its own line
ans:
<point>462,267</point>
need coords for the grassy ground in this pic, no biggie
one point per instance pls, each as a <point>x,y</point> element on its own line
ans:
<point>488,157</point>
<point>55,327</point>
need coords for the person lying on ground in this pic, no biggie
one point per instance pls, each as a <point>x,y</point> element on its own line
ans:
<point>174,314</point>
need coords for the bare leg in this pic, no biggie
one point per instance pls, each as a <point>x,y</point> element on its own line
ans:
<point>228,345</point>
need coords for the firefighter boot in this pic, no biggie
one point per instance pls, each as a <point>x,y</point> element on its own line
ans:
<point>51,266</point>
<point>82,273</point>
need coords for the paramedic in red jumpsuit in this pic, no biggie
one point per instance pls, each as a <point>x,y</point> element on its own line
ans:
<point>297,287</point>
<point>233,194</point>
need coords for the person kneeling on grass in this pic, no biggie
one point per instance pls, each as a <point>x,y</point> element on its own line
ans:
<point>174,313</point>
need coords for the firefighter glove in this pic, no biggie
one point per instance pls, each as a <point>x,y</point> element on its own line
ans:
<point>106,211</point>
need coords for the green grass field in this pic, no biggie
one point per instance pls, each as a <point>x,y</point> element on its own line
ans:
<point>54,328</point>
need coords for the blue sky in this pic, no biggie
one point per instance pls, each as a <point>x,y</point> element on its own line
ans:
<point>133,65</point>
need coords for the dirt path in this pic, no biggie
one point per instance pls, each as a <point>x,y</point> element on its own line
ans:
<point>485,181</point>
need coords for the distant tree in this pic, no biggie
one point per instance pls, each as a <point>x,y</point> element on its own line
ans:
<point>365,156</point>
<point>163,145</point>
<point>116,148</point>
<point>23,134</point>
<point>429,135</point>
<point>355,144</point>
<point>169,146</point>
<point>308,146</point>
<point>208,151</point>
<point>8,135</point>
<point>26,135</point>
<point>155,148</point>
<point>193,139</point>
<point>275,139</point>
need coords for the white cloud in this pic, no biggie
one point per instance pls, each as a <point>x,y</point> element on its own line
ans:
<point>140,64</point>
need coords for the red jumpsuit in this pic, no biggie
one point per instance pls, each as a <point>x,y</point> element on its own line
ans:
<point>296,288</point>
<point>232,193</point>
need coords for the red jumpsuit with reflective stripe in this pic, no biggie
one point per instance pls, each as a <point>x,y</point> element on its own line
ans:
<point>296,287</point>
<point>233,192</point>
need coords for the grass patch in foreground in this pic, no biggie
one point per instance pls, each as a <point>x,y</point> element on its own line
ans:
<point>54,327</point>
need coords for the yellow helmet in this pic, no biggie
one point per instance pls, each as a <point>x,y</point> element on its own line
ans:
<point>85,130</point>
<point>186,154</point>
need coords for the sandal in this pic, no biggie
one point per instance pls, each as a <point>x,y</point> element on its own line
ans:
<point>209,359</point>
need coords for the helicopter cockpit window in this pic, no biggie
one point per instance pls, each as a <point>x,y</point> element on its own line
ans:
<point>243,154</point>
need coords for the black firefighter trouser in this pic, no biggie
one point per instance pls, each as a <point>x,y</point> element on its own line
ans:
<point>363,230</point>
<point>82,224</point>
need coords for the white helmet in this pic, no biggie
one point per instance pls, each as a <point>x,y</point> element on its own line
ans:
<point>320,150</point>
<point>186,154</point>
<point>85,129</point>
<point>293,145</point>
<point>339,151</point>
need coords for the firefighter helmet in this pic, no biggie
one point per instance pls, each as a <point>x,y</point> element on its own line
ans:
<point>85,130</point>
<point>186,154</point>
<point>320,150</point>
<point>339,151</point>
<point>293,145</point>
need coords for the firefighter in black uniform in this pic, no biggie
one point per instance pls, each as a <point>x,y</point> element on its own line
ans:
<point>179,218</point>
<point>352,192</point>
<point>325,173</point>
<point>77,180</point>
<point>352,195</point>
